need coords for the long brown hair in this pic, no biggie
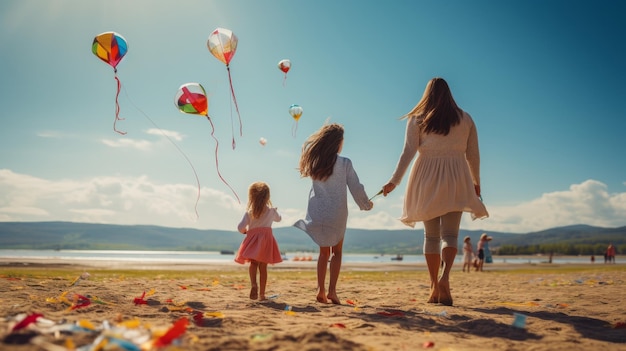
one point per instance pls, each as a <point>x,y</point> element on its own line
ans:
<point>437,110</point>
<point>319,152</point>
<point>258,199</point>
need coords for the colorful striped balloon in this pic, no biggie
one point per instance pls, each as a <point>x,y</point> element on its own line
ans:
<point>110,47</point>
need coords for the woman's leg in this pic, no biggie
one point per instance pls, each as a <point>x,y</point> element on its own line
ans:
<point>322,264</point>
<point>450,223</point>
<point>432,244</point>
<point>335,269</point>
<point>254,291</point>
<point>262,280</point>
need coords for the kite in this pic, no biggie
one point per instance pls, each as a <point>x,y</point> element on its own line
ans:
<point>284,65</point>
<point>296,112</point>
<point>176,331</point>
<point>111,48</point>
<point>191,99</point>
<point>222,44</point>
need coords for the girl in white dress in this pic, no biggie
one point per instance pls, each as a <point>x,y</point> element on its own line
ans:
<point>327,212</point>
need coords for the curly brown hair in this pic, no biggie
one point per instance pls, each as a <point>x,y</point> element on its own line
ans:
<point>258,199</point>
<point>319,152</point>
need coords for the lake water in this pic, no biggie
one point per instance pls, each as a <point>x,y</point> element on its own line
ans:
<point>209,257</point>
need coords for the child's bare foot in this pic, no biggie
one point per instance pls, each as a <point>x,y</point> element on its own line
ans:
<point>334,299</point>
<point>445,297</point>
<point>254,293</point>
<point>321,298</point>
<point>262,298</point>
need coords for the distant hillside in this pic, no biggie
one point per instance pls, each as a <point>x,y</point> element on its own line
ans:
<point>89,236</point>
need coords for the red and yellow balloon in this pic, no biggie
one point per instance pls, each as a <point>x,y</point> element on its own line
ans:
<point>111,48</point>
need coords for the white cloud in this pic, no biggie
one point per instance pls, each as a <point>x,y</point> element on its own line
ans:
<point>53,134</point>
<point>115,200</point>
<point>127,142</point>
<point>138,144</point>
<point>586,203</point>
<point>165,133</point>
<point>141,200</point>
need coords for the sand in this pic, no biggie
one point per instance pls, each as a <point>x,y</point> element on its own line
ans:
<point>566,307</point>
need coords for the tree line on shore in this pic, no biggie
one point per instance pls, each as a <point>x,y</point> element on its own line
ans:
<point>557,248</point>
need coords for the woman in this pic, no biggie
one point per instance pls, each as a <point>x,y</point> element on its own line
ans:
<point>444,181</point>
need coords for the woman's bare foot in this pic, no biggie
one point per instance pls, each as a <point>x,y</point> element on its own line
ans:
<point>445,297</point>
<point>322,299</point>
<point>434,294</point>
<point>434,297</point>
<point>262,298</point>
<point>334,299</point>
<point>254,293</point>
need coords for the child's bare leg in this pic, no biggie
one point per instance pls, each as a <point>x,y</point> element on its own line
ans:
<point>335,269</point>
<point>322,263</point>
<point>262,280</point>
<point>254,291</point>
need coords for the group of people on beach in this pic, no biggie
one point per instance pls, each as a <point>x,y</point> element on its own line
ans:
<point>480,257</point>
<point>609,254</point>
<point>444,182</point>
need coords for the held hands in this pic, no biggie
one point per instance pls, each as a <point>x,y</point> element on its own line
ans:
<point>387,188</point>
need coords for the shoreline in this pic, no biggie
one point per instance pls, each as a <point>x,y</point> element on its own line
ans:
<point>74,264</point>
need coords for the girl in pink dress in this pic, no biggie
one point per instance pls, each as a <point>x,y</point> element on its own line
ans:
<point>259,246</point>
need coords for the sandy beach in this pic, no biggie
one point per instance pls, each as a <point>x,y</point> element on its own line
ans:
<point>187,307</point>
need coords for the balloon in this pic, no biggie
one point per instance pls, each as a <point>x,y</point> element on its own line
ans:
<point>263,141</point>
<point>222,44</point>
<point>111,47</point>
<point>296,112</point>
<point>191,98</point>
<point>284,65</point>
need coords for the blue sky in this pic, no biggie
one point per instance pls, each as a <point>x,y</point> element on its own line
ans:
<point>543,80</point>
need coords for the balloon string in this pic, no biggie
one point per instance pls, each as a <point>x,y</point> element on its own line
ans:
<point>378,193</point>
<point>217,164</point>
<point>232,91</point>
<point>177,148</point>
<point>294,128</point>
<point>285,79</point>
<point>117,106</point>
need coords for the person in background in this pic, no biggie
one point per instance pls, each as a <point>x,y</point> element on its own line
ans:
<point>259,247</point>
<point>483,250</point>
<point>444,181</point>
<point>610,253</point>
<point>468,254</point>
<point>327,212</point>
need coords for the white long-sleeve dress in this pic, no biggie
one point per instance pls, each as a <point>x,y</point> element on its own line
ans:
<point>327,211</point>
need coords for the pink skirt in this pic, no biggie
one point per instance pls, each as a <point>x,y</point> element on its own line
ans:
<point>259,245</point>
